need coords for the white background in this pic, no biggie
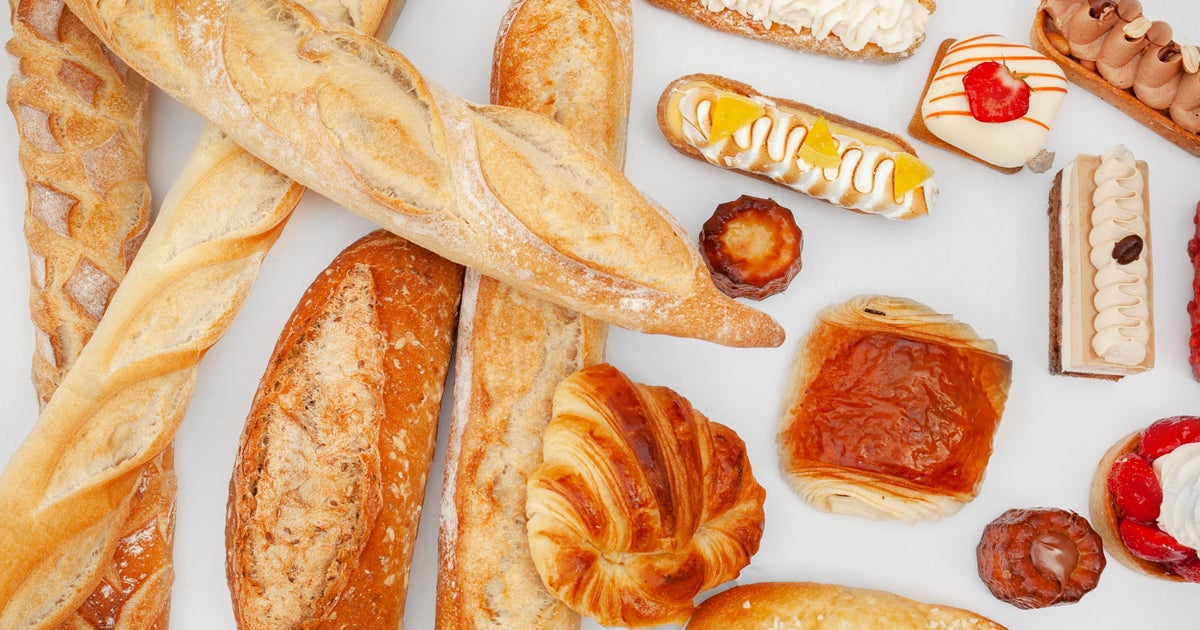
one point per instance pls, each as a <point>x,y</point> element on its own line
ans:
<point>981,256</point>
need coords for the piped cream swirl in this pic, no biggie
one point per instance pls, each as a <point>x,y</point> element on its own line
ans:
<point>863,180</point>
<point>1122,322</point>
<point>893,25</point>
<point>1179,474</point>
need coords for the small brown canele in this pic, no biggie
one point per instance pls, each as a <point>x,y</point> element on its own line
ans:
<point>1038,557</point>
<point>752,247</point>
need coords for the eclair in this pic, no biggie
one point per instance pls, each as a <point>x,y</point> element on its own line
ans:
<point>1101,319</point>
<point>823,155</point>
<point>1114,51</point>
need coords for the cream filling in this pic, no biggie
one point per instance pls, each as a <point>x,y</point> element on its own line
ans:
<point>893,25</point>
<point>1122,293</point>
<point>1179,474</point>
<point>768,146</point>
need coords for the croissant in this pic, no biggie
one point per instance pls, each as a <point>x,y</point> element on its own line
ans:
<point>640,502</point>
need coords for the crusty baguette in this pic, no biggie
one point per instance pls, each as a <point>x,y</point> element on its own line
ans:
<point>685,117</point>
<point>571,61</point>
<point>331,467</point>
<point>826,606</point>
<point>81,122</point>
<point>1048,41</point>
<point>70,488</point>
<point>498,189</point>
<point>777,32</point>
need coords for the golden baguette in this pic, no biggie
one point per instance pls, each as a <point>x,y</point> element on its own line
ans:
<point>501,190</point>
<point>73,482</point>
<point>570,61</point>
<point>81,123</point>
<point>331,467</point>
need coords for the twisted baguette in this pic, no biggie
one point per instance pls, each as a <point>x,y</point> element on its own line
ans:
<point>497,189</point>
<point>81,119</point>
<point>74,481</point>
<point>570,61</point>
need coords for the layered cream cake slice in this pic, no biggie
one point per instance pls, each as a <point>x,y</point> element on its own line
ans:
<point>1101,296</point>
<point>990,99</point>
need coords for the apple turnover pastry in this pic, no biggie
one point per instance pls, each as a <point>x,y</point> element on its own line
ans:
<point>890,410</point>
<point>640,502</point>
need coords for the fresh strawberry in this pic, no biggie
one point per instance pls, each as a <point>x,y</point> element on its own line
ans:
<point>1151,543</point>
<point>1164,435</point>
<point>995,93</point>
<point>1187,569</point>
<point>1134,488</point>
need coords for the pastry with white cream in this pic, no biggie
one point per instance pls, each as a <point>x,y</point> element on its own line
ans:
<point>881,31</point>
<point>823,155</point>
<point>990,99</point>
<point>1101,294</point>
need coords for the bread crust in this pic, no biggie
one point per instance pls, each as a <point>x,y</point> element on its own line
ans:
<point>877,137</point>
<point>570,61</point>
<point>731,21</point>
<point>71,484</point>
<point>816,606</point>
<point>1124,100</point>
<point>481,185</point>
<point>330,474</point>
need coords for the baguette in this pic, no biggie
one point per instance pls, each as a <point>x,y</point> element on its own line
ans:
<point>75,480</point>
<point>514,349</point>
<point>504,191</point>
<point>1101,294</point>
<point>870,166</point>
<point>817,606</point>
<point>898,26</point>
<point>1129,62</point>
<point>81,121</point>
<point>330,474</point>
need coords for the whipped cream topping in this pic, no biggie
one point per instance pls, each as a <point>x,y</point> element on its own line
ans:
<point>768,146</point>
<point>1179,474</point>
<point>947,114</point>
<point>1122,322</point>
<point>893,25</point>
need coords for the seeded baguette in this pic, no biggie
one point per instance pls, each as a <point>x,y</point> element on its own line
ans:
<point>501,190</point>
<point>330,475</point>
<point>570,61</point>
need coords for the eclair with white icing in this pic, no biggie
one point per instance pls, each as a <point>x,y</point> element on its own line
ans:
<point>848,164</point>
<point>1101,296</point>
<point>881,31</point>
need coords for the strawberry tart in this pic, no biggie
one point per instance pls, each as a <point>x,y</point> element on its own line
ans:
<point>991,99</point>
<point>1145,499</point>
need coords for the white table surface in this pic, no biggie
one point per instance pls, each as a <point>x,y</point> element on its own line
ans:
<point>981,256</point>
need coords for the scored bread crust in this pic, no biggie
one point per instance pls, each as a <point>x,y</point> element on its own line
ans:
<point>505,191</point>
<point>730,21</point>
<point>330,473</point>
<point>81,125</point>
<point>878,137</point>
<point>816,606</point>
<point>570,60</point>
<point>1156,120</point>
<point>73,482</point>
<point>1103,513</point>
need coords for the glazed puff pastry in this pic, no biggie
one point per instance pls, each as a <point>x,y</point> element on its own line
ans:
<point>640,502</point>
<point>891,409</point>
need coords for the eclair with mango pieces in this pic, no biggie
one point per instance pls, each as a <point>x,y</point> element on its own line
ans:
<point>846,163</point>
